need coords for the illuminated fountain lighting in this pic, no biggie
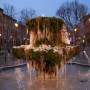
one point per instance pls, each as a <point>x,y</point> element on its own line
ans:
<point>0,34</point>
<point>31,38</point>
<point>65,35</point>
<point>89,19</point>
<point>16,25</point>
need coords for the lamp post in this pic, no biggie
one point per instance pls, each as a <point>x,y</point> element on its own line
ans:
<point>11,41</point>
<point>5,50</point>
<point>16,25</point>
<point>75,30</point>
<point>84,43</point>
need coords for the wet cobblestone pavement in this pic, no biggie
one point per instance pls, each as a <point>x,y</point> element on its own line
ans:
<point>74,77</point>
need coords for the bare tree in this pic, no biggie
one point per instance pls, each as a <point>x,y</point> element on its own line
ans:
<point>9,10</point>
<point>72,13</point>
<point>26,14</point>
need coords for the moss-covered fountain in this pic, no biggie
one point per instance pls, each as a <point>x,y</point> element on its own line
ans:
<point>47,30</point>
<point>49,47</point>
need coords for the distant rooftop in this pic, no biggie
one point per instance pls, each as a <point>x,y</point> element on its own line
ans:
<point>1,10</point>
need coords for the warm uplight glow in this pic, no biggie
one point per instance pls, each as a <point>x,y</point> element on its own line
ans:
<point>11,36</point>
<point>75,29</point>
<point>83,41</point>
<point>32,38</point>
<point>89,19</point>
<point>16,25</point>
<point>0,34</point>
<point>69,34</point>
<point>27,31</point>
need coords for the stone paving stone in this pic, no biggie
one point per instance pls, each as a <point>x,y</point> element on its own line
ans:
<point>81,58</point>
<point>18,79</point>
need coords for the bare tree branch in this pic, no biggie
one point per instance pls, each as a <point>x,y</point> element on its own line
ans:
<point>72,12</point>
<point>9,10</point>
<point>26,14</point>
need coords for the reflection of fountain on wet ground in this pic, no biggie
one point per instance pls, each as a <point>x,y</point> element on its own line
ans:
<point>71,77</point>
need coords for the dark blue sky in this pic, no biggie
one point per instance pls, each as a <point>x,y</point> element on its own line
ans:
<point>42,7</point>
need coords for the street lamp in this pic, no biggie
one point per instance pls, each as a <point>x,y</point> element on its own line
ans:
<point>84,41</point>
<point>75,29</point>
<point>0,34</point>
<point>74,35</point>
<point>83,44</point>
<point>16,25</point>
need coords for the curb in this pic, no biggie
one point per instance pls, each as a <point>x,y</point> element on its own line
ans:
<point>10,67</point>
<point>88,65</point>
<point>24,64</point>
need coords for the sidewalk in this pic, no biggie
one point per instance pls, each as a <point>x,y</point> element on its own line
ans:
<point>82,58</point>
<point>12,66</point>
<point>11,62</point>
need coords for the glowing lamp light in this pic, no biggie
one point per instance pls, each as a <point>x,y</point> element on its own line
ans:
<point>0,34</point>
<point>75,29</point>
<point>83,41</point>
<point>89,19</point>
<point>69,34</point>
<point>16,25</point>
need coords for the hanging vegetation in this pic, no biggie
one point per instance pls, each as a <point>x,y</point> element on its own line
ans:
<point>46,30</point>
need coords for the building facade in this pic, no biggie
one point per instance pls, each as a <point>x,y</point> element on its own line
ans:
<point>83,30</point>
<point>10,34</point>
